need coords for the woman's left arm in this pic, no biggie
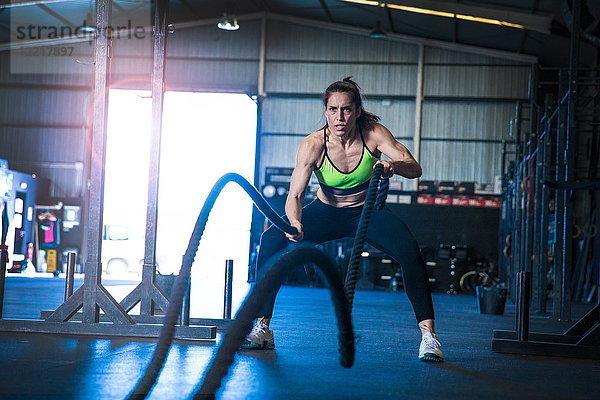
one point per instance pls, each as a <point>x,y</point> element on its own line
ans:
<point>402,162</point>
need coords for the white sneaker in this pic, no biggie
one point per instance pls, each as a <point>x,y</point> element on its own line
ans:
<point>261,337</point>
<point>430,348</point>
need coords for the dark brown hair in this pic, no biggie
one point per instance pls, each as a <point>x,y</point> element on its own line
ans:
<point>366,120</point>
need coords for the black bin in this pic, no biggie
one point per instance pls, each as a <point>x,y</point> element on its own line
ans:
<point>491,299</point>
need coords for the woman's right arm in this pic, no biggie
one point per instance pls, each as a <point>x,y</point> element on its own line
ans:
<point>307,157</point>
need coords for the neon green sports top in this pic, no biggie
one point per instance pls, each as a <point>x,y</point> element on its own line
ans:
<point>334,181</point>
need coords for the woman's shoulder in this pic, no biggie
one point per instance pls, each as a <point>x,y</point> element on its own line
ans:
<point>314,140</point>
<point>311,148</point>
<point>376,134</point>
<point>376,130</point>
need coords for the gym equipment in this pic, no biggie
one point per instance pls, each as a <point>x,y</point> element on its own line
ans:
<point>581,340</point>
<point>251,306</point>
<point>70,275</point>
<point>228,292</point>
<point>3,250</point>
<point>491,299</point>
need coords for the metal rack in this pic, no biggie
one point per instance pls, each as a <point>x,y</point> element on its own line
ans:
<point>92,296</point>
<point>541,189</point>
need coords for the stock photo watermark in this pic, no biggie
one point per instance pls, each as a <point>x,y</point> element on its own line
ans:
<point>38,45</point>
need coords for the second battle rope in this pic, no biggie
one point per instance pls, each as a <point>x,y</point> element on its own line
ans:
<point>375,200</point>
<point>263,290</point>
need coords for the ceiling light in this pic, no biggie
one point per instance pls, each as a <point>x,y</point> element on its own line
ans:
<point>436,13</point>
<point>228,24</point>
<point>378,32</point>
<point>88,24</point>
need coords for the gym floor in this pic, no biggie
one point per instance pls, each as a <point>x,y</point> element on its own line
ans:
<point>305,364</point>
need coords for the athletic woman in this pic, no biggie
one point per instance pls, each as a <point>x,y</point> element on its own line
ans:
<point>342,155</point>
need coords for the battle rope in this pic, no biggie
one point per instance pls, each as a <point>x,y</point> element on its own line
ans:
<point>361,233</point>
<point>179,288</point>
<point>266,288</point>
<point>166,336</point>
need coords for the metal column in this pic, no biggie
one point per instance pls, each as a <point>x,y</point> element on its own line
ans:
<point>92,295</point>
<point>559,208</point>
<point>419,108</point>
<point>569,163</point>
<point>147,293</point>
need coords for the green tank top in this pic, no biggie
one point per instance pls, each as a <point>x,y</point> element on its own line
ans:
<point>334,181</point>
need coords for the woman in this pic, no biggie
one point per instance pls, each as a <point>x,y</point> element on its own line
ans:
<point>342,155</point>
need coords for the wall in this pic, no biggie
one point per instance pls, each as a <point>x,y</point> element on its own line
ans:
<point>468,99</point>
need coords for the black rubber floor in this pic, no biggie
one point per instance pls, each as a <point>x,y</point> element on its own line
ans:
<point>305,364</point>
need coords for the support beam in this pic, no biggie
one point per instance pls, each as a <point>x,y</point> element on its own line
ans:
<point>559,175</point>
<point>570,159</point>
<point>150,293</point>
<point>92,296</point>
<point>544,349</point>
<point>262,57</point>
<point>220,324</point>
<point>121,9</point>
<point>523,41</point>
<point>419,108</point>
<point>326,9</point>
<point>41,126</point>
<point>454,30</point>
<point>109,330</point>
<point>56,15</point>
<point>26,3</point>
<point>93,266</point>
<point>390,19</point>
<point>534,7</point>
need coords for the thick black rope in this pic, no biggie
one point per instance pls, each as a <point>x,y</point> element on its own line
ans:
<point>166,336</point>
<point>361,233</point>
<point>265,289</point>
<point>181,283</point>
<point>384,187</point>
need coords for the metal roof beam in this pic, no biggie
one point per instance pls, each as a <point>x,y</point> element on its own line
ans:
<point>326,9</point>
<point>390,19</point>
<point>49,11</point>
<point>25,3</point>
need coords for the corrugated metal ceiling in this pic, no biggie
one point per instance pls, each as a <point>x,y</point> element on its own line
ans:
<point>56,12</point>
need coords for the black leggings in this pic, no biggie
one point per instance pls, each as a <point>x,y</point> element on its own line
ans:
<point>386,232</point>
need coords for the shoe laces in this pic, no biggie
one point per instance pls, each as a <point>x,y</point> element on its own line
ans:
<point>430,340</point>
<point>260,328</point>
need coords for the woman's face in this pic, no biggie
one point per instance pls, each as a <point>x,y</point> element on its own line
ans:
<point>341,113</point>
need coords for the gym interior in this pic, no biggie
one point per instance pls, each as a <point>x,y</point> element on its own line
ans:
<point>145,146</point>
